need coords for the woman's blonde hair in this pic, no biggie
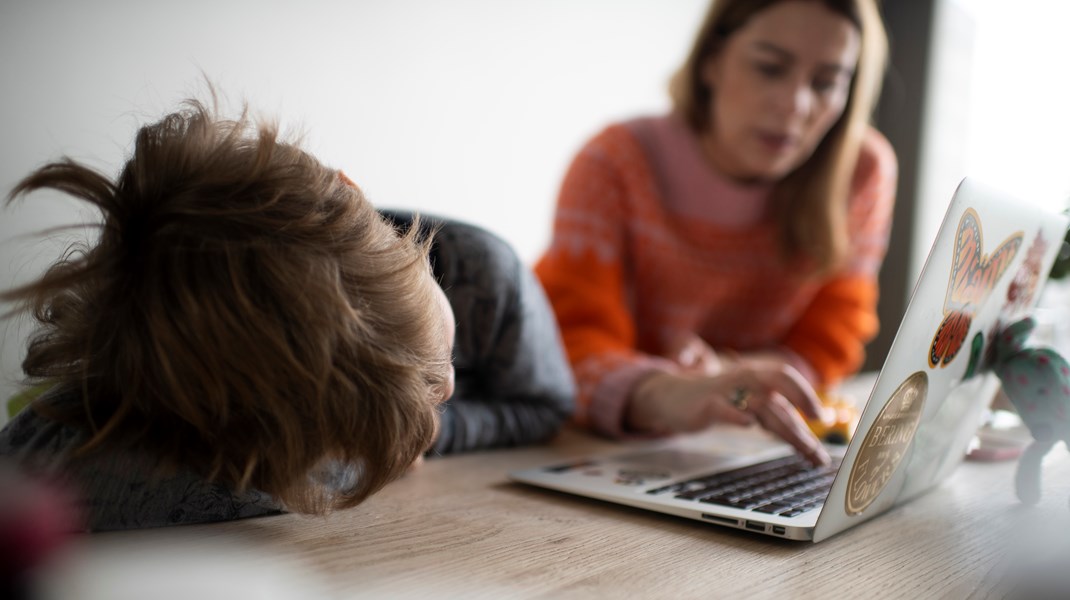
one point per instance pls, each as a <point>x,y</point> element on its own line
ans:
<point>811,201</point>
<point>246,314</point>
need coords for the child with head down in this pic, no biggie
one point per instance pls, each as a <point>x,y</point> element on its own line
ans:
<point>249,335</point>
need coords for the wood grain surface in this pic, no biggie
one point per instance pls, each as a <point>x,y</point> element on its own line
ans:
<point>457,528</point>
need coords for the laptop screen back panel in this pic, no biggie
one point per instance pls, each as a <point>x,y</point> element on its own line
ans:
<point>986,269</point>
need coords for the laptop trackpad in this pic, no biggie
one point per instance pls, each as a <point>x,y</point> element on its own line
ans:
<point>719,448</point>
<point>676,461</point>
<point>659,466</point>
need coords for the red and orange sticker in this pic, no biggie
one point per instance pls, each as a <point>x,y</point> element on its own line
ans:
<point>973,277</point>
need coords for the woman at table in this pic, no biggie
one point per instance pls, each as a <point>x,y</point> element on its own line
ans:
<point>717,263</point>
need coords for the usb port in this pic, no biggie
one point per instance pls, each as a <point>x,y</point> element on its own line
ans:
<point>778,529</point>
<point>755,526</point>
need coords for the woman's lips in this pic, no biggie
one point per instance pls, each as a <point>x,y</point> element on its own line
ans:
<point>777,142</point>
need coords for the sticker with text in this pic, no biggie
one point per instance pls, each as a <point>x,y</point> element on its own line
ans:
<point>886,443</point>
<point>973,277</point>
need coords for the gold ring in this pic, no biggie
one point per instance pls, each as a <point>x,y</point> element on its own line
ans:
<point>740,396</point>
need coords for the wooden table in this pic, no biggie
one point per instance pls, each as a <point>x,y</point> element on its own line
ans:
<point>457,528</point>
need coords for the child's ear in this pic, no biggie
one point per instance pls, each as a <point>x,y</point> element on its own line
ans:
<point>346,180</point>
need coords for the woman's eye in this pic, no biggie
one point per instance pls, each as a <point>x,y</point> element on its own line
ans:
<point>824,85</point>
<point>829,83</point>
<point>769,70</point>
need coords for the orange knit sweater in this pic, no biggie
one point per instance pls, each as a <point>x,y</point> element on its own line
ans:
<point>630,270</point>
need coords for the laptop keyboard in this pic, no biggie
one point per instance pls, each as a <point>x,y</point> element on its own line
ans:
<point>786,486</point>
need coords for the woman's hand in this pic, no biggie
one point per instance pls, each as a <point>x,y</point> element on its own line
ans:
<point>741,393</point>
<point>694,355</point>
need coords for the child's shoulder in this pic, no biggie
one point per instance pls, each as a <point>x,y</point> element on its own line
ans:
<point>462,249</point>
<point>117,488</point>
<point>32,436</point>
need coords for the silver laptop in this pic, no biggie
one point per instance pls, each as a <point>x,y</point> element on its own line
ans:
<point>986,268</point>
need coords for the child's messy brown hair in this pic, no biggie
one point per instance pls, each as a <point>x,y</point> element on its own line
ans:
<point>246,314</point>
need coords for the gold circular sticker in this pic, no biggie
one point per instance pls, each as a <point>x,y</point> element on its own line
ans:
<point>886,443</point>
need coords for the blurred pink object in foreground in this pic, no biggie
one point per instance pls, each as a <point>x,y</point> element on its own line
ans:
<point>36,518</point>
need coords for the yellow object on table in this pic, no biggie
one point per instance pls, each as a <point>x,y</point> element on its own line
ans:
<point>842,426</point>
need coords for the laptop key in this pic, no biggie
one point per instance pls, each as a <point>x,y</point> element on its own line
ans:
<point>773,508</point>
<point>787,486</point>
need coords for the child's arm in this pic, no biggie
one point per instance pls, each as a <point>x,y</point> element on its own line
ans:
<point>514,385</point>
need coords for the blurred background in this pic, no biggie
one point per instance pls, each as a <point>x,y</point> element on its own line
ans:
<point>474,108</point>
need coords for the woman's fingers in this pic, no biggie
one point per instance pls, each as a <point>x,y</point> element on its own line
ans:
<point>694,355</point>
<point>789,383</point>
<point>666,403</point>
<point>722,411</point>
<point>772,395</point>
<point>781,418</point>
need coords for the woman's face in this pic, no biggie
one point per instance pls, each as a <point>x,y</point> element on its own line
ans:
<point>779,84</point>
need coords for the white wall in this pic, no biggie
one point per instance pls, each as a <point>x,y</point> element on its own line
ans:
<point>466,108</point>
<point>998,109</point>
<point>945,124</point>
<point>1019,113</point>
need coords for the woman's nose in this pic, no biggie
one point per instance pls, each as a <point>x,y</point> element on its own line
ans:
<point>794,98</point>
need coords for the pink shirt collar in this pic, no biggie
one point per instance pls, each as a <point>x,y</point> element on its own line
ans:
<point>689,185</point>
